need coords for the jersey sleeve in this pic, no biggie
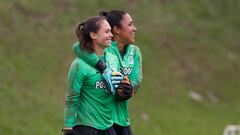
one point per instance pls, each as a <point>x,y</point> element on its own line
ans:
<point>90,58</point>
<point>136,75</point>
<point>74,84</point>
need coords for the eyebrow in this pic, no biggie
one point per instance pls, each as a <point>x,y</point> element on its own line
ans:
<point>130,22</point>
<point>107,29</point>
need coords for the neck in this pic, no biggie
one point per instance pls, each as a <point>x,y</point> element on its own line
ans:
<point>120,44</point>
<point>99,50</point>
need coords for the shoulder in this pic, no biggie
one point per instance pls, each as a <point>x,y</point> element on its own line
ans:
<point>79,66</point>
<point>111,57</point>
<point>76,48</point>
<point>78,62</point>
<point>75,45</point>
<point>134,49</point>
<point>111,61</point>
<point>132,46</point>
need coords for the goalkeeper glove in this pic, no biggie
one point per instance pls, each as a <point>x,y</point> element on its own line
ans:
<point>125,89</point>
<point>112,78</point>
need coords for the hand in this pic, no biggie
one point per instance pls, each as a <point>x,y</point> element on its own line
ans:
<point>68,131</point>
<point>125,89</point>
<point>112,79</point>
<point>116,78</point>
<point>107,74</point>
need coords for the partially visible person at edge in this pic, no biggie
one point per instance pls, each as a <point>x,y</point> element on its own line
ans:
<point>88,106</point>
<point>130,60</point>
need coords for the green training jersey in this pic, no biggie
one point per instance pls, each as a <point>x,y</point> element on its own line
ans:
<point>87,103</point>
<point>130,65</point>
<point>130,62</point>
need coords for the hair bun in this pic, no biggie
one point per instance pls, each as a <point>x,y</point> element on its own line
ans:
<point>104,13</point>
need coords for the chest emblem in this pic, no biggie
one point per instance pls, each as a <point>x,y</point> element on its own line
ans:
<point>130,59</point>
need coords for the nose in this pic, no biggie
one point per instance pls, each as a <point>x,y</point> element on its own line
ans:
<point>111,35</point>
<point>134,28</point>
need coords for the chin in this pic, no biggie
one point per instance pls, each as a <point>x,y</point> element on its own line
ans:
<point>132,41</point>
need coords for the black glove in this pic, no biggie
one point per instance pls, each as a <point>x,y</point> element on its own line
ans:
<point>125,89</point>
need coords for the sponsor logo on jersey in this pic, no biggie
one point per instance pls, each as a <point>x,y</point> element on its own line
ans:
<point>100,85</point>
<point>130,60</point>
<point>126,70</point>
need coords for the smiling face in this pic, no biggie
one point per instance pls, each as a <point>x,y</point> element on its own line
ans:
<point>127,30</point>
<point>103,37</point>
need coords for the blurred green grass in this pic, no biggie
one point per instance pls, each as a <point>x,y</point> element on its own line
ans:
<point>186,46</point>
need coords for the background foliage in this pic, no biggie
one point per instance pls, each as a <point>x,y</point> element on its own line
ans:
<point>190,55</point>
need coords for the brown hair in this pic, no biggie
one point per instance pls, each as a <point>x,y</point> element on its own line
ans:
<point>114,17</point>
<point>83,31</point>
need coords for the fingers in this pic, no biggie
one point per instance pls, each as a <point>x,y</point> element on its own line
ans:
<point>115,82</point>
<point>115,73</point>
<point>67,128</point>
<point>121,93</point>
<point>116,86</point>
<point>126,78</point>
<point>120,90</point>
<point>116,78</point>
<point>124,81</point>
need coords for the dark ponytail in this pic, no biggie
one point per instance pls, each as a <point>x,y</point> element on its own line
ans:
<point>114,17</point>
<point>104,13</point>
<point>79,31</point>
